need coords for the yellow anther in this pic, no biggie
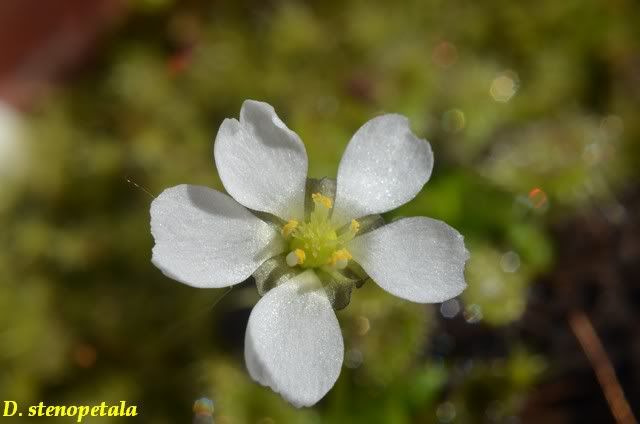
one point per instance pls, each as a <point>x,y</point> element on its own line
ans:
<point>320,199</point>
<point>289,227</point>
<point>339,258</point>
<point>350,233</point>
<point>296,257</point>
<point>342,254</point>
<point>300,255</point>
<point>354,227</point>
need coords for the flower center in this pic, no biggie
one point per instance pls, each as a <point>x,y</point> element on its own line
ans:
<point>317,243</point>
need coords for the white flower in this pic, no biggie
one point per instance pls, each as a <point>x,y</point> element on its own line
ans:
<point>205,238</point>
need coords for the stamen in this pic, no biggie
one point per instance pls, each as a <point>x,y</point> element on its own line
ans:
<point>300,255</point>
<point>341,263</point>
<point>340,258</point>
<point>289,227</point>
<point>322,206</point>
<point>354,227</point>
<point>320,199</point>
<point>349,234</point>
<point>296,257</point>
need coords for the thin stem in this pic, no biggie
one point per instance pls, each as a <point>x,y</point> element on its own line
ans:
<point>601,364</point>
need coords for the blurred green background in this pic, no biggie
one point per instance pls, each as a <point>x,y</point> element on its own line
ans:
<point>531,110</point>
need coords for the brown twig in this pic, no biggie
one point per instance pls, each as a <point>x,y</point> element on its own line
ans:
<point>597,356</point>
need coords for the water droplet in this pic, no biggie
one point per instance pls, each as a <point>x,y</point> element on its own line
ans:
<point>450,308</point>
<point>473,314</point>
<point>504,86</point>
<point>538,198</point>
<point>362,325</point>
<point>453,120</point>
<point>445,54</point>
<point>510,261</point>
<point>353,358</point>
<point>446,412</point>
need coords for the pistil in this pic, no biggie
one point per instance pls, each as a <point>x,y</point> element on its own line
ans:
<point>316,243</point>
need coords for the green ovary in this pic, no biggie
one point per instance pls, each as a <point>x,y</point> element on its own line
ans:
<point>316,243</point>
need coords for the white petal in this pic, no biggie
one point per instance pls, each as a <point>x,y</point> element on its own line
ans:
<point>261,162</point>
<point>419,259</point>
<point>293,342</point>
<point>384,166</point>
<point>204,238</point>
